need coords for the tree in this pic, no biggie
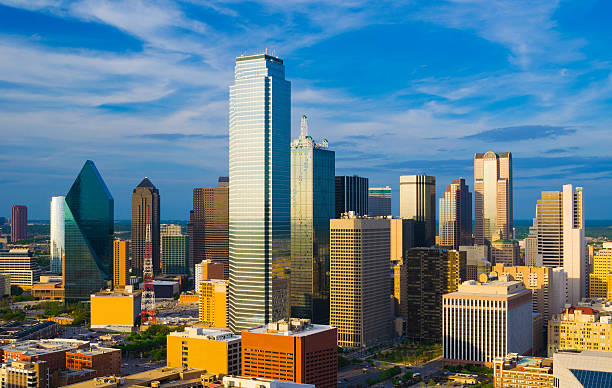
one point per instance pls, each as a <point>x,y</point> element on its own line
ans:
<point>16,290</point>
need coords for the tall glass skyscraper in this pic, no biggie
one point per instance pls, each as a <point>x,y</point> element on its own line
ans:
<point>57,233</point>
<point>89,219</point>
<point>259,194</point>
<point>312,206</point>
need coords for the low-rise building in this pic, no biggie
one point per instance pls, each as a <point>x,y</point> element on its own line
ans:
<point>581,328</point>
<point>578,369</point>
<point>166,289</point>
<point>17,331</point>
<point>251,382</point>
<point>515,370</point>
<point>165,377</point>
<point>213,350</point>
<point>24,374</point>
<point>117,310</point>
<point>48,291</point>
<point>483,321</point>
<point>105,361</point>
<point>52,351</point>
<point>294,350</point>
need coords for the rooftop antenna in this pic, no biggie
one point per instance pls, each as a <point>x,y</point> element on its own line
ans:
<point>304,126</point>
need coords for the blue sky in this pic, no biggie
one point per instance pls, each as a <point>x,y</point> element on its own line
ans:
<point>141,88</point>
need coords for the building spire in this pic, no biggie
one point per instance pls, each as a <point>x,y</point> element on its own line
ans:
<point>304,126</point>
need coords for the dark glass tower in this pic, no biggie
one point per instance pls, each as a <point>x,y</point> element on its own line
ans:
<point>145,200</point>
<point>89,219</point>
<point>351,195</point>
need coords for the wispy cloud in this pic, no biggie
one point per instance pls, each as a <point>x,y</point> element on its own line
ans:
<point>519,133</point>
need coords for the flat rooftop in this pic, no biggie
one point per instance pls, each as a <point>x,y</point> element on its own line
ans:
<point>142,379</point>
<point>292,328</point>
<point>95,351</point>
<point>44,346</point>
<point>212,334</point>
<point>495,288</point>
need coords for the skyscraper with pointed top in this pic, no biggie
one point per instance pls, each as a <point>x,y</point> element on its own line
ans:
<point>89,221</point>
<point>312,206</point>
<point>259,193</point>
<point>145,210</point>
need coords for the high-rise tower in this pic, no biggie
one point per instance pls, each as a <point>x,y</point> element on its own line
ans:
<point>89,222</point>
<point>312,206</point>
<point>56,232</point>
<point>418,202</point>
<point>19,223</point>
<point>259,194</point>
<point>145,206</point>
<point>492,196</point>
<point>351,195</point>
<point>379,201</point>
<point>455,221</point>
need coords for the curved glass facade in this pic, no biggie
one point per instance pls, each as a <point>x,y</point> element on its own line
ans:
<point>89,219</point>
<point>259,226</point>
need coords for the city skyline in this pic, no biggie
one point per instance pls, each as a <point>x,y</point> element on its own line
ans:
<point>542,94</point>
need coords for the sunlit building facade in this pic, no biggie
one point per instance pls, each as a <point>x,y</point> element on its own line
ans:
<point>601,278</point>
<point>259,193</point>
<point>418,202</point>
<point>145,225</point>
<point>56,232</point>
<point>455,220</point>
<point>312,206</point>
<point>89,223</point>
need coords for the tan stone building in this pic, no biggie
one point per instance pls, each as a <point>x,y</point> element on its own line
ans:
<point>505,252</point>
<point>514,370</point>
<point>581,328</point>
<point>360,307</point>
<point>601,279</point>
<point>455,216</point>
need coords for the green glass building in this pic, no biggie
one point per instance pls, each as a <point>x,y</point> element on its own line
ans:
<point>175,254</point>
<point>312,206</point>
<point>89,221</point>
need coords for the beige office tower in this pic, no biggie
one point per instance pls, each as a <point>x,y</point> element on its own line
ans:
<point>455,216</point>
<point>532,257</point>
<point>560,230</point>
<point>402,232</point>
<point>601,278</point>
<point>546,284</point>
<point>359,299</point>
<point>492,196</point>
<point>418,202</point>
<point>505,252</point>
<point>476,261</point>
<point>483,321</point>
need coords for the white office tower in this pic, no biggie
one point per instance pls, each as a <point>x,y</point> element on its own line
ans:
<point>57,234</point>
<point>259,192</point>
<point>560,236</point>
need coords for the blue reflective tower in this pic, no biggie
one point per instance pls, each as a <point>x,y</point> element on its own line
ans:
<point>259,191</point>
<point>89,219</point>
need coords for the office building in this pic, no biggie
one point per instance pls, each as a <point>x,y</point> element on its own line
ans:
<point>455,219</point>
<point>56,234</point>
<point>20,266</point>
<point>19,223</point>
<point>145,225</point>
<point>213,303</point>
<point>207,270</point>
<point>312,206</point>
<point>25,374</point>
<point>418,202</point>
<point>105,361</point>
<point>121,263</point>
<point>260,190</point>
<point>429,273</point>
<point>51,351</point>
<point>560,233</point>
<point>175,254</point>
<point>210,224</point>
<point>379,201</point>
<point>402,236</point>
<point>216,351</point>
<point>492,197</point>
<point>582,369</point>
<point>251,382</point>
<point>477,260</point>
<point>295,350</point>
<point>115,310</point>
<point>169,230</point>
<point>601,278</point>
<point>547,287</point>
<point>506,252</point>
<point>483,321</point>
<point>580,328</point>
<point>360,305</point>
<point>89,223</point>
<point>515,370</point>
<point>351,195</point>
